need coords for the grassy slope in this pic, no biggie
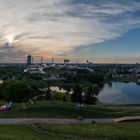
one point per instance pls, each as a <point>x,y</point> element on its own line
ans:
<point>125,78</point>
<point>20,132</point>
<point>57,109</point>
<point>122,131</point>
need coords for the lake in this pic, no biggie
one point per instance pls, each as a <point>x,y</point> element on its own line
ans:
<point>120,93</point>
<point>115,93</point>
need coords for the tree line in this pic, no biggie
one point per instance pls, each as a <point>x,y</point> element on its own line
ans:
<point>18,91</point>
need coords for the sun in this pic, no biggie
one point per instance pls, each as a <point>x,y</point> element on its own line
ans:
<point>10,38</point>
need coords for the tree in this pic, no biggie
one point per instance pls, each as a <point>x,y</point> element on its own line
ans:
<point>96,89</point>
<point>17,92</point>
<point>76,97</point>
<point>48,94</point>
<point>90,94</point>
<point>2,87</point>
<point>64,99</point>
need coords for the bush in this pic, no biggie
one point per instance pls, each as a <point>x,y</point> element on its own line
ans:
<point>57,95</point>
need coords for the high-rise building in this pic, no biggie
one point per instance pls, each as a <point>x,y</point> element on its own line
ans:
<point>41,60</point>
<point>66,61</point>
<point>29,59</point>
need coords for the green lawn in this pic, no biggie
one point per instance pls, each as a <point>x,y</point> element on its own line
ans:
<point>58,109</point>
<point>119,131</point>
<point>125,78</point>
<point>21,132</point>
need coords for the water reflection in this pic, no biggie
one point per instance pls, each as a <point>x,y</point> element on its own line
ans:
<point>110,84</point>
<point>120,93</point>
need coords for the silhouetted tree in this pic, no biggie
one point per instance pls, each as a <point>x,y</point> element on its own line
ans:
<point>90,94</point>
<point>17,92</point>
<point>48,94</point>
<point>76,97</point>
<point>64,99</point>
<point>96,89</point>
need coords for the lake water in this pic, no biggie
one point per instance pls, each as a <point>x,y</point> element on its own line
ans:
<point>116,93</point>
<point>120,93</point>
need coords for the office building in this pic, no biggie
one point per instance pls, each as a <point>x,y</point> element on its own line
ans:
<point>29,59</point>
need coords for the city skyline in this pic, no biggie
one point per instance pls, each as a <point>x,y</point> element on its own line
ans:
<point>100,31</point>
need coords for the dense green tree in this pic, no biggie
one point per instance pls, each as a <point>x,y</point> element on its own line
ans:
<point>96,89</point>
<point>64,99</point>
<point>48,94</point>
<point>90,94</point>
<point>17,92</point>
<point>3,86</point>
<point>76,97</point>
<point>85,75</point>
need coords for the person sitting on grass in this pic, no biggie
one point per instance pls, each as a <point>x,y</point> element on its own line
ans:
<point>7,106</point>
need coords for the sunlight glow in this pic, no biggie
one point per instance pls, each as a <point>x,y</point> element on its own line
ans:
<point>10,38</point>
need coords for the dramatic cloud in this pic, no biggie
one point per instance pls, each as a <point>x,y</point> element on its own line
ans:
<point>57,27</point>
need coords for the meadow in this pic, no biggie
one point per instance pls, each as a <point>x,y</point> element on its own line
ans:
<point>59,109</point>
<point>119,131</point>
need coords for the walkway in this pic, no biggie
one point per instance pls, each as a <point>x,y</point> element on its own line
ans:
<point>66,121</point>
<point>130,118</point>
<point>53,121</point>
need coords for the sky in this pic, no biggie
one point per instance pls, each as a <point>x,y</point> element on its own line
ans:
<point>101,31</point>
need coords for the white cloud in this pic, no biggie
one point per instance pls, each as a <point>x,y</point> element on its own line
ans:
<point>57,26</point>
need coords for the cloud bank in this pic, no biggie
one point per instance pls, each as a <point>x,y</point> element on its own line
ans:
<point>53,28</point>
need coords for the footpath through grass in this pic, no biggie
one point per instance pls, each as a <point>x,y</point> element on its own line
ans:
<point>58,109</point>
<point>119,131</point>
<point>21,132</point>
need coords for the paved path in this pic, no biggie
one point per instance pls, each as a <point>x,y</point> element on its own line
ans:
<point>130,118</point>
<point>66,121</point>
<point>53,121</point>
